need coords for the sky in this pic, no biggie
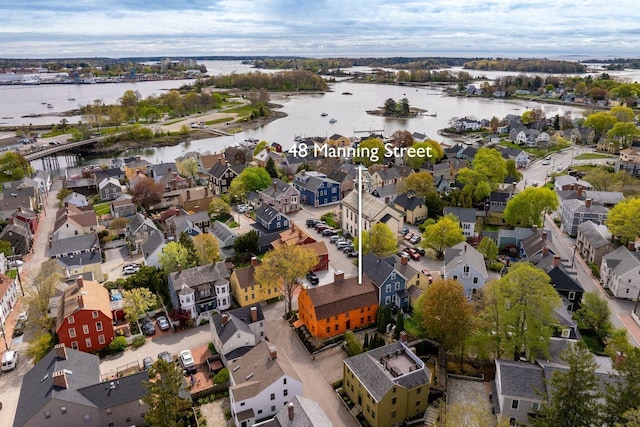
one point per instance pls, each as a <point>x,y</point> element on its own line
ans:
<point>322,28</point>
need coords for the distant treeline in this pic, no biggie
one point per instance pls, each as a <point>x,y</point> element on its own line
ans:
<point>527,65</point>
<point>326,65</point>
<point>616,63</point>
<point>298,80</point>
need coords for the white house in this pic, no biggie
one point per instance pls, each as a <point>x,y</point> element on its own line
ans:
<point>261,383</point>
<point>8,297</point>
<point>465,264</point>
<point>236,332</point>
<point>152,248</point>
<point>620,273</point>
<point>467,218</point>
<point>373,210</point>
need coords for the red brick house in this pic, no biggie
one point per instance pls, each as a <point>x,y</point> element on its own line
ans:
<point>297,236</point>
<point>84,319</point>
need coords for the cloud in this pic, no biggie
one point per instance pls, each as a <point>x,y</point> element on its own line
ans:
<point>54,28</point>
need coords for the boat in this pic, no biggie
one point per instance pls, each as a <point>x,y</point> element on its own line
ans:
<point>70,98</point>
<point>332,121</point>
<point>49,105</point>
<point>347,93</point>
<point>324,114</point>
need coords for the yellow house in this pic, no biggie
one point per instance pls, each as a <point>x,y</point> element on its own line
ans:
<point>244,288</point>
<point>136,166</point>
<point>338,140</point>
<point>389,384</point>
<point>413,207</point>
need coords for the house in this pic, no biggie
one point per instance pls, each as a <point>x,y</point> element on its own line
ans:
<point>221,175</point>
<point>374,210</point>
<point>262,158</point>
<point>413,207</point>
<point>207,161</point>
<point>620,273</point>
<point>383,176</point>
<point>295,235</point>
<point>269,219</point>
<point>593,242</point>
<point>152,248</point>
<point>64,389</point>
<point>608,199</point>
<point>8,297</point>
<point>173,181</point>
<point>576,211</point>
<point>466,218</point>
<point>87,264</point>
<point>75,245</point>
<point>497,202</point>
<point>390,283</point>
<point>330,310</point>
<point>109,189</point>
<point>43,179</point>
<point>134,166</point>
<point>112,172</point>
<point>85,185</point>
<point>465,264</point>
<point>237,331</point>
<point>201,289</point>
<point>25,218</point>
<point>14,202</point>
<point>568,182</point>
<point>583,136</point>
<point>162,169</point>
<point>262,382</point>
<point>139,228</point>
<point>123,207</point>
<point>283,197</point>
<point>535,244</point>
<point>72,221</point>
<point>521,158</point>
<point>465,124</point>
<point>225,235</point>
<point>299,412</point>
<point>191,224</point>
<point>316,189</point>
<point>246,291</point>
<point>19,236</point>
<point>76,199</point>
<point>84,321</point>
<point>389,384</point>
<point>338,140</point>
<point>567,287</point>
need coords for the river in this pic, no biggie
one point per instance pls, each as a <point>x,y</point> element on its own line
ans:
<point>303,111</point>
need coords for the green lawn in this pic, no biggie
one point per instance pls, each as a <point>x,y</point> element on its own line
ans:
<point>102,208</point>
<point>411,326</point>
<point>590,156</point>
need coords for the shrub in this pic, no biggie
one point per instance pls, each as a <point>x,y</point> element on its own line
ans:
<point>496,266</point>
<point>222,376</point>
<point>212,349</point>
<point>227,414</point>
<point>117,345</point>
<point>138,342</point>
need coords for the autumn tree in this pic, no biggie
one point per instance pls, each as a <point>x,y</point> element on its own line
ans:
<point>164,394</point>
<point>527,208</point>
<point>600,122</point>
<point>623,392</point>
<point>433,154</point>
<point>136,302</point>
<point>525,304</point>
<point>206,248</point>
<point>622,220</point>
<point>188,167</point>
<point>175,257</point>
<point>380,240</point>
<point>219,210</point>
<point>402,138</point>
<point>445,313</point>
<point>286,265</point>
<point>444,233</point>
<point>371,145</point>
<point>43,287</point>
<point>420,182</point>
<point>146,192</point>
<point>573,392</point>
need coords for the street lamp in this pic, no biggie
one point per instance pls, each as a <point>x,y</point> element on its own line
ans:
<point>360,169</point>
<point>4,335</point>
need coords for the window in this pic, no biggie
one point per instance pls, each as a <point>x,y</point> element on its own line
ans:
<point>328,329</point>
<point>47,414</point>
<point>128,419</point>
<point>572,296</point>
<point>393,414</point>
<point>285,392</point>
<point>63,409</point>
<point>514,404</point>
<point>72,332</point>
<point>535,406</point>
<point>94,314</point>
<point>284,381</point>
<point>512,421</point>
<point>242,403</point>
<point>87,342</point>
<point>273,408</point>
<point>417,403</point>
<point>101,339</point>
<point>85,329</point>
<point>475,280</point>
<point>74,345</point>
<point>98,326</point>
<point>71,320</point>
<point>273,396</point>
<point>204,293</point>
<point>394,400</point>
<point>336,327</point>
<point>259,411</point>
<point>455,277</point>
<point>388,288</point>
<point>109,411</point>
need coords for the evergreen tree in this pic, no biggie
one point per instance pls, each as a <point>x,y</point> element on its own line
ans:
<point>381,320</point>
<point>185,240</point>
<point>573,393</point>
<point>623,393</point>
<point>399,325</point>
<point>166,407</point>
<point>366,342</point>
<point>271,168</point>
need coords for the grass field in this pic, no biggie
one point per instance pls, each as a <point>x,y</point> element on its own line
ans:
<point>102,208</point>
<point>590,156</point>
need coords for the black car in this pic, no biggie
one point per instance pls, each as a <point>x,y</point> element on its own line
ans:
<point>19,329</point>
<point>166,356</point>
<point>352,253</point>
<point>311,222</point>
<point>148,328</point>
<point>313,278</point>
<point>419,250</point>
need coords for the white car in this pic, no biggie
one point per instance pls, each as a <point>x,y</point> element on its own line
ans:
<point>23,316</point>
<point>16,263</point>
<point>242,208</point>
<point>129,269</point>
<point>186,359</point>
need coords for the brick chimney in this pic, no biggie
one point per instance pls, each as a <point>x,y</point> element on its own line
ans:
<point>620,358</point>
<point>254,261</point>
<point>338,275</point>
<point>254,314</point>
<point>534,228</point>
<point>579,192</point>
<point>587,203</point>
<point>543,236</point>
<point>206,192</point>
<point>290,411</point>
<point>545,250</point>
<point>188,194</point>
<point>225,318</point>
<point>403,336</point>
<point>556,261</point>
<point>80,302</point>
<point>273,351</point>
<point>61,351</point>
<point>60,379</point>
<point>404,260</point>
<point>80,282</point>
<point>275,186</point>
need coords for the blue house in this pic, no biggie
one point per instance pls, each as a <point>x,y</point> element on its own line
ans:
<point>316,189</point>
<point>391,284</point>
<point>269,220</point>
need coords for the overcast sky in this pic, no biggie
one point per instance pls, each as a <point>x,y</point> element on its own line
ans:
<point>319,28</point>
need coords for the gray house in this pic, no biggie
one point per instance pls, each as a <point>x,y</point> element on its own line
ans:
<point>576,211</point>
<point>465,264</point>
<point>109,189</point>
<point>467,218</point>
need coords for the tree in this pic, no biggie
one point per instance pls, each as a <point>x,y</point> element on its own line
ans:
<point>254,178</point>
<point>489,163</point>
<point>528,207</point>
<point>623,114</point>
<point>246,243</point>
<point>488,248</point>
<point>573,392</point>
<point>525,302</point>
<point>623,392</point>
<point>119,223</point>
<point>399,325</point>
<point>62,194</point>
<point>14,167</point>
<point>146,192</point>
<point>166,406</point>
<point>594,315</point>
<point>420,182</point>
<point>444,233</point>
<point>624,131</point>
<point>622,220</point>
<point>174,257</point>
<point>390,106</point>
<point>380,240</point>
<point>5,248</point>
<point>40,345</point>
<point>185,240</point>
<point>136,302</point>
<point>206,248</point>
<point>431,147</point>
<point>260,146</point>
<point>445,313</point>
<point>43,287</point>
<point>476,185</point>
<point>271,168</point>
<point>188,167</point>
<point>371,145</point>
<point>219,210</point>
<point>286,265</point>
<point>600,122</point>
<point>402,138</point>
<point>151,278</point>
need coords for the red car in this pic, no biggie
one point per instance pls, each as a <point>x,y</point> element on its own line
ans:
<point>408,236</point>
<point>413,253</point>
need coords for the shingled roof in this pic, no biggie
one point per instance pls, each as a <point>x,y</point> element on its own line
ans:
<point>342,296</point>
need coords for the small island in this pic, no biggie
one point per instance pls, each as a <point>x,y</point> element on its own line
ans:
<point>400,109</point>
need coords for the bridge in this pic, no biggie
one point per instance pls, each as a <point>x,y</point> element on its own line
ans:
<point>50,150</point>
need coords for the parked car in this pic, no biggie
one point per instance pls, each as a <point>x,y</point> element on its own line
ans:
<point>23,316</point>
<point>313,278</point>
<point>16,263</point>
<point>10,360</point>
<point>166,356</point>
<point>320,224</point>
<point>328,232</point>
<point>148,329</point>
<point>408,236</point>
<point>187,361</point>
<point>403,254</point>
<point>413,254</point>
<point>343,244</point>
<point>352,253</point>
<point>19,329</point>
<point>321,227</point>
<point>419,250</point>
<point>405,230</point>
<point>163,323</point>
<point>130,269</point>
<point>415,239</point>
<point>334,238</point>
<point>311,222</point>
<point>242,207</point>
<point>340,240</point>
<point>147,362</point>
<point>546,162</point>
<point>347,248</point>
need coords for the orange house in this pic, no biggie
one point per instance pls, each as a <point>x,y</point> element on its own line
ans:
<point>340,306</point>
